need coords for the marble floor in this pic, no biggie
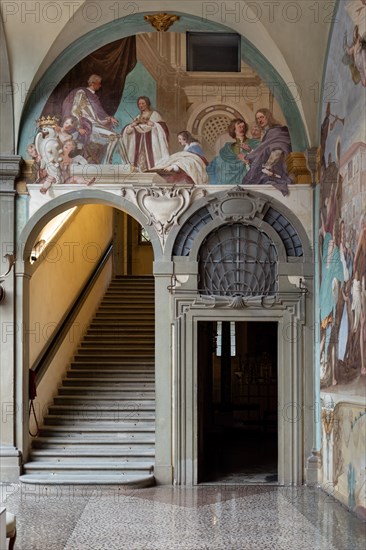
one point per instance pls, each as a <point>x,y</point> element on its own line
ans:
<point>211,517</point>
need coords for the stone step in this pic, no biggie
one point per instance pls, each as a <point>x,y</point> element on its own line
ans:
<point>124,317</point>
<point>129,376</point>
<point>100,383</point>
<point>115,333</point>
<point>98,413</point>
<point>129,408</point>
<point>144,443</point>
<point>128,319</point>
<point>103,419</point>
<point>114,366</point>
<point>111,454</point>
<point>127,359</point>
<point>117,298</point>
<point>114,343</point>
<point>90,400</point>
<point>117,349</point>
<point>136,481</point>
<point>132,326</point>
<point>133,433</point>
<point>89,467</point>
<point>128,298</point>
<point>102,394</point>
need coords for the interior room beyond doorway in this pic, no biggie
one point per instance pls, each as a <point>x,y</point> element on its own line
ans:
<point>237,402</point>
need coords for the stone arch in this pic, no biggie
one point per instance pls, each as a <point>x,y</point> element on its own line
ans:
<point>288,307</point>
<point>75,198</point>
<point>23,276</point>
<point>202,213</point>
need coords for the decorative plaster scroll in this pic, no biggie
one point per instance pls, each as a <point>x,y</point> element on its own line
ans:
<point>163,206</point>
<point>238,205</point>
<point>162,21</point>
<point>235,302</point>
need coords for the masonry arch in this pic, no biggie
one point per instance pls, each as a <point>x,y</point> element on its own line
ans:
<point>75,198</point>
<point>23,274</point>
<point>185,238</point>
<point>289,309</point>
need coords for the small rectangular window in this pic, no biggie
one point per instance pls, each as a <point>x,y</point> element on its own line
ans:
<point>144,237</point>
<point>213,51</point>
<point>219,339</point>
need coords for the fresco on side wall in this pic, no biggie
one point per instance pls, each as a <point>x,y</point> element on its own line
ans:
<point>131,103</point>
<point>342,249</point>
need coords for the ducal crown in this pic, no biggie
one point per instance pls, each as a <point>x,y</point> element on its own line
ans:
<point>47,121</point>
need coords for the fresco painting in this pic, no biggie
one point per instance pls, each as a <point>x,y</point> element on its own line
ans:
<point>94,117</point>
<point>342,255</point>
<point>344,452</point>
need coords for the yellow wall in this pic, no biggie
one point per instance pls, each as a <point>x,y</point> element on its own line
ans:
<point>47,388</point>
<point>63,271</point>
<point>142,254</point>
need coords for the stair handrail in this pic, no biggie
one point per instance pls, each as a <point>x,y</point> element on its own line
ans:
<point>45,357</point>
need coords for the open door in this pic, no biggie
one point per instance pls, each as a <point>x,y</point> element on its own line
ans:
<point>237,402</point>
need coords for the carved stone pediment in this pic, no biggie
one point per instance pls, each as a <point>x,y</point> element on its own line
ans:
<point>237,205</point>
<point>163,206</point>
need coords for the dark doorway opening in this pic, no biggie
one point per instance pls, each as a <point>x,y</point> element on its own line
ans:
<point>237,402</point>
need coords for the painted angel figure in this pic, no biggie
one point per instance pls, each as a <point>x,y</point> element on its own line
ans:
<point>355,56</point>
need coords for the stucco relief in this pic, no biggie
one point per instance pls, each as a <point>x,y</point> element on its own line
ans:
<point>163,206</point>
<point>238,205</point>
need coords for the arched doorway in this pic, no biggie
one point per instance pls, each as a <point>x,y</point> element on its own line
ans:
<point>97,210</point>
<point>241,283</point>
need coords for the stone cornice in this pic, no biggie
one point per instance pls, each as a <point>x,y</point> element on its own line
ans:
<point>9,170</point>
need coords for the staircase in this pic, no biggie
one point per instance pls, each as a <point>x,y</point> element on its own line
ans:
<point>101,426</point>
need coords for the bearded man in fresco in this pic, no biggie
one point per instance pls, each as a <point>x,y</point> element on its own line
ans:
<point>268,160</point>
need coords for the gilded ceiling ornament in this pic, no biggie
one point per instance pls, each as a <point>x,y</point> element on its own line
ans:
<point>162,21</point>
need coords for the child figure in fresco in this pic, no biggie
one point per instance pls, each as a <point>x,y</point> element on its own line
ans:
<point>71,128</point>
<point>68,159</point>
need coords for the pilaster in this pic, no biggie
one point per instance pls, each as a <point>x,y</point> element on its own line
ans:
<point>164,383</point>
<point>9,454</point>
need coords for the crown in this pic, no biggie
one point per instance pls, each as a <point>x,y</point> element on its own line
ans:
<point>47,121</point>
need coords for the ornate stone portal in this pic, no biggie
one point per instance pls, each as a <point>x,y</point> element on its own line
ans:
<point>164,210</point>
